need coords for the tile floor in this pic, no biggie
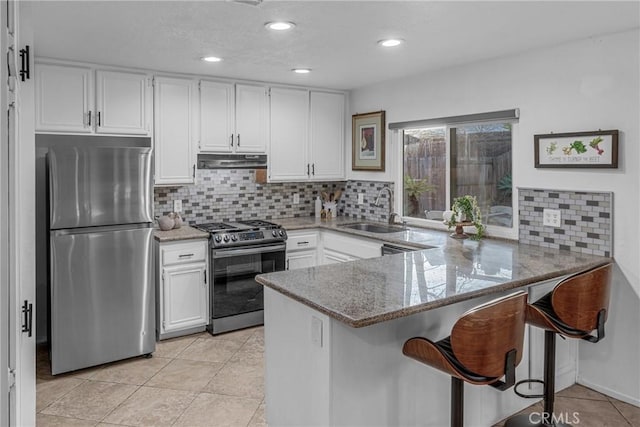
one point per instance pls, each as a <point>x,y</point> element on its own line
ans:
<point>201,380</point>
<point>197,380</point>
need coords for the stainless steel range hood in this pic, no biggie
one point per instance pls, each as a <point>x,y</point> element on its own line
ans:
<point>232,161</point>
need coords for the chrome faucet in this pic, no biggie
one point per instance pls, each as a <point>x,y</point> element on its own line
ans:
<point>392,214</point>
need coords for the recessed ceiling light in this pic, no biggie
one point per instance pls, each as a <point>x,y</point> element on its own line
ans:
<point>280,25</point>
<point>390,42</point>
<point>301,70</point>
<point>211,59</point>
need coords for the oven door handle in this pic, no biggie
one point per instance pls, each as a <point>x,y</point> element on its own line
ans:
<point>226,253</point>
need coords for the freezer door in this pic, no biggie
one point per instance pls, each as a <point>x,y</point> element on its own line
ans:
<point>93,186</point>
<point>102,296</point>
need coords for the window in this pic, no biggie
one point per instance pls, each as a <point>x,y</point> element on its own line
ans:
<point>444,162</point>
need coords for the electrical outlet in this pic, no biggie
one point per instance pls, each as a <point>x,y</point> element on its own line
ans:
<point>551,217</point>
<point>360,198</point>
<point>296,198</point>
<point>177,205</point>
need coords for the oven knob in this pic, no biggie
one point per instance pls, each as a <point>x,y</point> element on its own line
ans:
<point>234,237</point>
<point>281,233</point>
<point>218,238</point>
<point>226,238</point>
<point>274,233</point>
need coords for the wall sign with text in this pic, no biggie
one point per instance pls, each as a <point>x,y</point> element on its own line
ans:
<point>597,149</point>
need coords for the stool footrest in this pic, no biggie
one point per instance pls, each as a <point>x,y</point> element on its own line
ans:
<point>528,396</point>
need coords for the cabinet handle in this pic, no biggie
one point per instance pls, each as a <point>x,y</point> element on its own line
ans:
<point>185,255</point>
<point>307,169</point>
<point>287,264</point>
<point>232,140</point>
<point>89,118</point>
<point>238,140</point>
<point>313,169</point>
<point>204,273</point>
<point>194,171</point>
<point>303,243</point>
<point>98,118</point>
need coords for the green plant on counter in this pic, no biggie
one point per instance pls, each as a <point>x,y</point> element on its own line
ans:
<point>414,188</point>
<point>466,207</point>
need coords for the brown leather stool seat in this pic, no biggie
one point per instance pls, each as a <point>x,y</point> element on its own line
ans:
<point>485,345</point>
<point>577,306</point>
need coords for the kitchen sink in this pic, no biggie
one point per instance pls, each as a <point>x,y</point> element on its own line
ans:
<point>373,228</point>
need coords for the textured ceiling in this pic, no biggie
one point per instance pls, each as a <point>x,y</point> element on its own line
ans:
<point>337,39</point>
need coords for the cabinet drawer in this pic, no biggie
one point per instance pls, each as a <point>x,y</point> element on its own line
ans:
<point>183,253</point>
<point>352,246</point>
<point>301,241</point>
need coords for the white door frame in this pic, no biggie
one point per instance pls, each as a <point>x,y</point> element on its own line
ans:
<point>17,212</point>
<point>4,228</point>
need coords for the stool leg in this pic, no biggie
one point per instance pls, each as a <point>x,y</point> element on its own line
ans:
<point>549,372</point>
<point>457,402</point>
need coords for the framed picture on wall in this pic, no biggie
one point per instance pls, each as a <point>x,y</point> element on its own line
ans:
<point>597,149</point>
<point>368,141</point>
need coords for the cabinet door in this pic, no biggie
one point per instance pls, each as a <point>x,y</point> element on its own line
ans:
<point>216,117</point>
<point>288,135</point>
<point>301,259</point>
<point>121,103</point>
<point>327,135</point>
<point>251,119</point>
<point>185,299</point>
<point>63,99</point>
<point>173,127</point>
<point>333,257</point>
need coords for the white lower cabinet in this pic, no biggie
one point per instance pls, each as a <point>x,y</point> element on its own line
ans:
<point>182,288</point>
<point>302,249</point>
<point>337,247</point>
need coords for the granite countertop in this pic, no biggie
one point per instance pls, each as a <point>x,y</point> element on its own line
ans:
<point>366,292</point>
<point>183,233</point>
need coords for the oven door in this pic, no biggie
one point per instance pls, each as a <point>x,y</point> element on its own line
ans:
<point>236,298</point>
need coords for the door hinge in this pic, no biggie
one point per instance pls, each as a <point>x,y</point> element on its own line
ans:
<point>27,311</point>
<point>11,378</point>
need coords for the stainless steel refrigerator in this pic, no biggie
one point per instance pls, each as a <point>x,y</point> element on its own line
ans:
<point>101,267</point>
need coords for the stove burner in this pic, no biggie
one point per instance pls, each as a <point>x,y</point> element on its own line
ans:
<point>215,226</point>
<point>258,223</point>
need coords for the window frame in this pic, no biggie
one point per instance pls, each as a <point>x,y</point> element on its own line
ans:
<point>490,230</point>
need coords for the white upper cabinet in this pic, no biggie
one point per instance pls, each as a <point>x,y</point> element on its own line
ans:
<point>289,134</point>
<point>121,103</point>
<point>307,135</point>
<point>233,118</point>
<point>174,125</point>
<point>216,117</point>
<point>327,135</point>
<point>66,100</point>
<point>63,98</point>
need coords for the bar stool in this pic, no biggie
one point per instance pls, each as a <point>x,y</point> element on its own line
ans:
<point>576,306</point>
<point>485,344</point>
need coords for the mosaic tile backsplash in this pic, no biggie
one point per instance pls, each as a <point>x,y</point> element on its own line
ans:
<point>368,210</point>
<point>233,194</point>
<point>586,220</point>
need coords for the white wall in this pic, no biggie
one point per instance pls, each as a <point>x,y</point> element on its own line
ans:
<point>584,85</point>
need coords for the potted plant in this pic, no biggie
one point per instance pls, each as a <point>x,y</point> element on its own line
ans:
<point>466,212</point>
<point>414,188</point>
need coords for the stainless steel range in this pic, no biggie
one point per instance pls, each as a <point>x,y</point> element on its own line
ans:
<point>238,252</point>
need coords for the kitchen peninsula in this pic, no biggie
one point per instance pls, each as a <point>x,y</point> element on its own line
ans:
<point>334,333</point>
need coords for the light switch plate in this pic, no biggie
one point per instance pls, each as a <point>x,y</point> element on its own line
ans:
<point>551,217</point>
<point>296,198</point>
<point>360,198</point>
<point>177,205</point>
